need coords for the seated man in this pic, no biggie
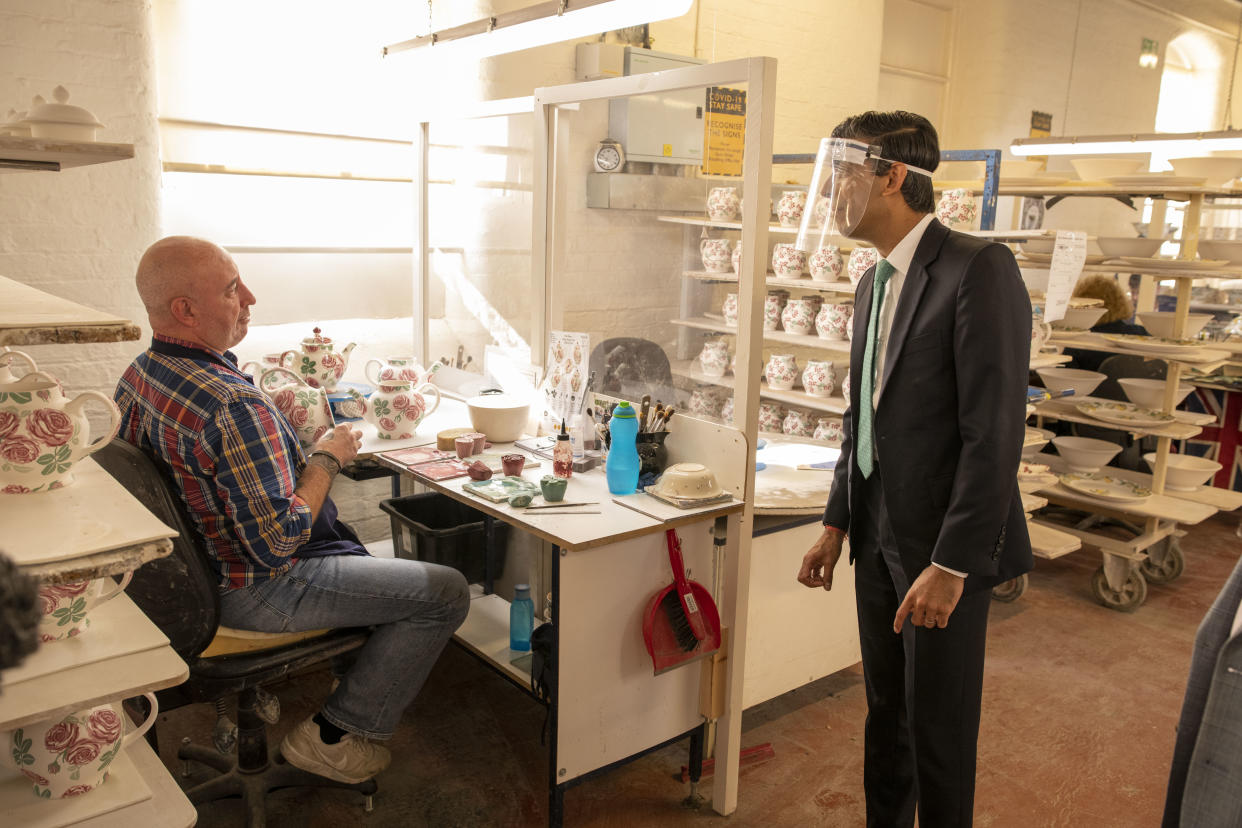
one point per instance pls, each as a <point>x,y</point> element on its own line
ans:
<point>285,562</point>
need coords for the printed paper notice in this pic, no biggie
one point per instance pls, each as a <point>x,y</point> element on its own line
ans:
<point>1067,259</point>
<point>724,131</point>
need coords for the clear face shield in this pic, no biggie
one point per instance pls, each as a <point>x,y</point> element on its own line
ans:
<point>845,171</point>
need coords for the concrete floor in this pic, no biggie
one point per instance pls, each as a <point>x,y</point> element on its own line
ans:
<point>1080,704</point>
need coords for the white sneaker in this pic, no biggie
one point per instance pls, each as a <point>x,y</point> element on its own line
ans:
<point>351,760</point>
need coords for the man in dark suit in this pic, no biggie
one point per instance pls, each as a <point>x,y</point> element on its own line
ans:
<point>925,487</point>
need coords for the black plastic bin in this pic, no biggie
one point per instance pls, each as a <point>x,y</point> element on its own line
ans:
<point>438,529</point>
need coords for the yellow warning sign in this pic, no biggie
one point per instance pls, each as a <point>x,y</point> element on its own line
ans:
<point>724,131</point>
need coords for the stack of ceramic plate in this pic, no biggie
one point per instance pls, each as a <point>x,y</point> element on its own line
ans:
<point>1124,414</point>
<point>1154,344</point>
<point>1105,487</point>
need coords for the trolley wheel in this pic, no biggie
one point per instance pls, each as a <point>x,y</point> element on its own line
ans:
<point>1170,568</point>
<point>1010,590</point>
<point>1127,599</point>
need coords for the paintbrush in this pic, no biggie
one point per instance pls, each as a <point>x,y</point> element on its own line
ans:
<point>642,412</point>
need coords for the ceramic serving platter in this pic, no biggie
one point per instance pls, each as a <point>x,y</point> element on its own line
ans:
<point>1156,180</point>
<point>1127,414</point>
<point>1105,487</point>
<point>1174,264</point>
<point>1154,344</point>
<point>500,489</point>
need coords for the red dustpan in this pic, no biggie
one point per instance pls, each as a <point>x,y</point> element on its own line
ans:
<point>681,623</point>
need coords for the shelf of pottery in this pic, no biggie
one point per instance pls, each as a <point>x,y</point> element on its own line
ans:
<point>65,757</point>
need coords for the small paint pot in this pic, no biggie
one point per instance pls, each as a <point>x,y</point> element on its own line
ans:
<point>480,441</point>
<point>513,463</point>
<point>553,487</point>
<point>464,446</point>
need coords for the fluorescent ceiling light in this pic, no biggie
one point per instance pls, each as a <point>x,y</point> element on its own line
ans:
<point>1171,144</point>
<point>540,24</point>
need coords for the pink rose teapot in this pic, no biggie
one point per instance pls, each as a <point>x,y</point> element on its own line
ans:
<point>396,408</point>
<point>318,362</point>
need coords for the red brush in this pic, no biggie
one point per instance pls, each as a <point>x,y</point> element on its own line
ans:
<point>681,623</point>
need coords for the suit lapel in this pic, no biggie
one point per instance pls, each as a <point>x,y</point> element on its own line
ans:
<point>911,292</point>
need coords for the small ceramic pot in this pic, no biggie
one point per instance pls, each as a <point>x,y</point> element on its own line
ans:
<point>512,464</point>
<point>788,262</point>
<point>723,204</point>
<point>737,257</point>
<point>826,264</point>
<point>705,402</point>
<point>798,423</point>
<point>66,607</point>
<point>652,453</point>
<point>715,255</point>
<point>789,208</point>
<point>771,416</point>
<point>729,309</point>
<point>553,487</point>
<point>714,359</point>
<point>862,259</point>
<point>781,372</point>
<point>833,321</point>
<point>957,208</point>
<point>773,304</point>
<point>829,429</point>
<point>480,441</point>
<point>818,379</point>
<point>726,411</point>
<point>798,316</point>
<point>464,446</point>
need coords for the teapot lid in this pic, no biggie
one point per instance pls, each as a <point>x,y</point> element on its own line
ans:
<point>317,339</point>
<point>60,112</point>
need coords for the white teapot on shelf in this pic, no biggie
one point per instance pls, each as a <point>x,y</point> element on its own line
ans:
<point>319,363</point>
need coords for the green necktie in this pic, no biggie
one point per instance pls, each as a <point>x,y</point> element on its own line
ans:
<point>865,450</point>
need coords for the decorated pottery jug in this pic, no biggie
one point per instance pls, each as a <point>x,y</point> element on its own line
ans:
<point>305,406</point>
<point>833,321</point>
<point>862,259</point>
<point>1040,331</point>
<point>788,262</point>
<point>781,372</point>
<point>798,316</point>
<point>72,755</point>
<point>826,264</point>
<point>829,429</point>
<point>319,363</point>
<point>726,411</point>
<point>396,408</point>
<point>398,368</point>
<point>845,386</point>
<point>723,204</point>
<point>256,369</point>
<point>729,309</point>
<point>737,256</point>
<point>821,211</point>
<point>705,402</point>
<point>42,432</point>
<point>790,206</point>
<point>798,423</point>
<point>957,208</point>
<point>66,607</point>
<point>773,304</point>
<point>714,359</point>
<point>771,417</point>
<point>817,378</point>
<point>715,255</point>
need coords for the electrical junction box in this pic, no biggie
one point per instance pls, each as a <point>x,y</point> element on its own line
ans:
<point>661,128</point>
<point>599,60</point>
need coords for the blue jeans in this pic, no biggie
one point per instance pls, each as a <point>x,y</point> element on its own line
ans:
<point>414,607</point>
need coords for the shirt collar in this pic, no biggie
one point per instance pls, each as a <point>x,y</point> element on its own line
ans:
<point>227,356</point>
<point>903,254</point>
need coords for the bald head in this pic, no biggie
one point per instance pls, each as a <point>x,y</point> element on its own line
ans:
<point>192,290</point>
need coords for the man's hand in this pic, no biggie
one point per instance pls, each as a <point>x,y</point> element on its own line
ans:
<point>342,443</point>
<point>817,564</point>
<point>931,599</point>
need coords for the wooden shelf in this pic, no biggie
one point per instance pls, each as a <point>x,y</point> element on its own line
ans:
<point>1224,500</point>
<point>52,155</point>
<point>1092,188</point>
<point>32,317</point>
<point>1160,272</point>
<point>1066,409</point>
<point>843,286</point>
<point>704,323</point>
<point>832,405</point>
<point>168,806</point>
<point>1049,543</point>
<point>485,632</point>
<point>1204,359</point>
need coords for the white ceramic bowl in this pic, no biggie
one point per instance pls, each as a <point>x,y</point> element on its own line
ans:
<point>1085,455</point>
<point>1230,251</point>
<point>1057,380</point>
<point>1114,246</point>
<point>1184,472</point>
<point>1149,393</point>
<point>1160,323</point>
<point>688,480</point>
<point>1021,169</point>
<point>501,417</point>
<point>1215,169</point>
<point>1080,318</point>
<point>1097,169</point>
<point>1042,246</point>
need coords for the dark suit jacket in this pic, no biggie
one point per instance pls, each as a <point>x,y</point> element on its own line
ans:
<point>950,424</point>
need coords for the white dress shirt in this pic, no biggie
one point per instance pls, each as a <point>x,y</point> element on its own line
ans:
<point>900,258</point>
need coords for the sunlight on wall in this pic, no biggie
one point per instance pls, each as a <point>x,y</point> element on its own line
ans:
<point>1189,89</point>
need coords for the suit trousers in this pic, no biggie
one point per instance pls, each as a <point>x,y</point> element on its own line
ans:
<point>924,686</point>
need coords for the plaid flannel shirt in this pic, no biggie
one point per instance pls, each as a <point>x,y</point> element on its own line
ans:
<point>231,453</point>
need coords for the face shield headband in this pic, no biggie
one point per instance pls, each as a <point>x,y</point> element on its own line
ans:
<point>840,189</point>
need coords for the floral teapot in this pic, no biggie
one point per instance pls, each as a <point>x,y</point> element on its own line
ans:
<point>318,362</point>
<point>304,406</point>
<point>43,433</point>
<point>377,371</point>
<point>396,408</point>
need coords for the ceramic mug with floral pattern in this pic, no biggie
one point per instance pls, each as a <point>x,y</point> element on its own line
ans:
<point>817,378</point>
<point>771,416</point>
<point>957,208</point>
<point>828,429</point>
<point>790,206</point>
<point>773,304</point>
<point>781,372</point>
<point>833,321</point>
<point>66,607</point>
<point>798,316</point>
<point>714,359</point>
<point>306,408</point>
<point>723,204</point>
<point>798,423</point>
<point>72,755</point>
<point>788,262</point>
<point>862,259</point>
<point>826,264</point>
<point>715,255</point>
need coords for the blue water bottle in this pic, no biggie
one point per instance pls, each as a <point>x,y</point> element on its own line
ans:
<point>622,466</point>
<point>521,618</point>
